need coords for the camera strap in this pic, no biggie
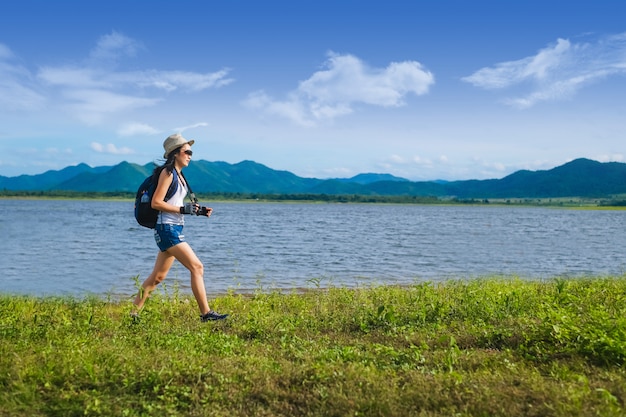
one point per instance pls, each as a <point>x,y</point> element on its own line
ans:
<point>192,196</point>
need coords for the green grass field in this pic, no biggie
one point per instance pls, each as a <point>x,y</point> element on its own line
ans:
<point>481,347</point>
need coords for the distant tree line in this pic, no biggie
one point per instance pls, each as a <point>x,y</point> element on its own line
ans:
<point>226,196</point>
<point>614,203</point>
<point>66,194</point>
<point>335,198</point>
<point>330,198</point>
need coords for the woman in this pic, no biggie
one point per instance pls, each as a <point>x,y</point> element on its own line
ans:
<point>168,231</point>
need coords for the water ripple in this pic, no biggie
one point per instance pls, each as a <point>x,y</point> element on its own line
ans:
<point>95,247</point>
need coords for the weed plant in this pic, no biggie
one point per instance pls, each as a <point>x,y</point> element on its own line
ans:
<point>480,347</point>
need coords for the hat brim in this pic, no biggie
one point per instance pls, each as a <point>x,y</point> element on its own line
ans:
<point>189,142</point>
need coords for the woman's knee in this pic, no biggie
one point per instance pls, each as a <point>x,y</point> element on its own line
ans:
<point>196,267</point>
<point>158,278</point>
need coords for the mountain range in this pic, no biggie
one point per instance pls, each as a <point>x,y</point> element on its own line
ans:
<point>578,178</point>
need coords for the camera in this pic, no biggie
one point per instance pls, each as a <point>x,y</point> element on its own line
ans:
<point>194,208</point>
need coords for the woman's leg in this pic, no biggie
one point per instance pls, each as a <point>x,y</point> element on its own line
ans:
<point>162,266</point>
<point>186,256</point>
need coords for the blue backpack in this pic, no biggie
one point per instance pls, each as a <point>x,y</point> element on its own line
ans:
<point>144,213</point>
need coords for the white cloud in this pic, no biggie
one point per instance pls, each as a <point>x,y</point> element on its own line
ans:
<point>18,92</point>
<point>346,81</point>
<point>15,96</point>
<point>496,166</point>
<point>5,52</point>
<point>174,80</point>
<point>337,172</point>
<point>82,77</point>
<point>193,126</point>
<point>112,47</point>
<point>557,71</point>
<point>616,157</point>
<point>93,90</point>
<point>292,108</point>
<point>98,87</point>
<point>418,160</point>
<point>110,148</point>
<point>73,77</point>
<point>90,106</point>
<point>397,159</point>
<point>134,129</point>
<point>538,67</point>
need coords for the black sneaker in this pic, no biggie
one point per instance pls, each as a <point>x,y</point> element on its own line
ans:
<point>212,316</point>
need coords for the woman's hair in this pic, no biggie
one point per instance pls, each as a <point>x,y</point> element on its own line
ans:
<point>169,163</point>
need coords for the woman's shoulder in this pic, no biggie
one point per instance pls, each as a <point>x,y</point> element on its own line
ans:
<point>165,176</point>
<point>166,172</point>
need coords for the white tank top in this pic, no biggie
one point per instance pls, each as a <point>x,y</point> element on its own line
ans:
<point>178,199</point>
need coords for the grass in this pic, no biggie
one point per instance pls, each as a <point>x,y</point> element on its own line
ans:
<point>482,347</point>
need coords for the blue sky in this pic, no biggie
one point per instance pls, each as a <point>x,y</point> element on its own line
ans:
<point>422,90</point>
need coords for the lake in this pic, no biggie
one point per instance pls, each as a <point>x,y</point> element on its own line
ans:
<point>79,248</point>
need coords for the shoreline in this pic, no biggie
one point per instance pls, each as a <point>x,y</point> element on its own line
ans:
<point>557,203</point>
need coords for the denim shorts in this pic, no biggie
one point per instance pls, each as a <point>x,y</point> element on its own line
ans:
<point>168,235</point>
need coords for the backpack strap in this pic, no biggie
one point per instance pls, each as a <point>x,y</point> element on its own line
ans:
<point>173,186</point>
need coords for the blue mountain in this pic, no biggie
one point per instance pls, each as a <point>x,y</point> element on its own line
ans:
<point>578,178</point>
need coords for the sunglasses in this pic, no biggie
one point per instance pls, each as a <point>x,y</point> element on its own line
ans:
<point>188,152</point>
